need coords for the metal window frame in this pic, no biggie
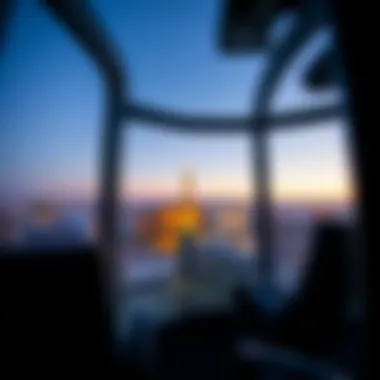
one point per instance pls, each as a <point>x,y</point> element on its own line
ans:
<point>81,21</point>
<point>6,10</point>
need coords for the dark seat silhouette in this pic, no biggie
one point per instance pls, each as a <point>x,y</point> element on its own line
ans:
<point>52,310</point>
<point>313,321</point>
<point>195,341</point>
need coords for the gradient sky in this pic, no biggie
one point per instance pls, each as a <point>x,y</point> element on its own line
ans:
<point>51,107</point>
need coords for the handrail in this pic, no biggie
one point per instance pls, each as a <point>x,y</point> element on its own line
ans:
<point>182,122</point>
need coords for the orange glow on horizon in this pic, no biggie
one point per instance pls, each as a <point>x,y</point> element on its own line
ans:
<point>284,194</point>
<point>287,192</point>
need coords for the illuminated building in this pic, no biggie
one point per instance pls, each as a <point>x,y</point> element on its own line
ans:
<point>232,225</point>
<point>44,213</point>
<point>164,227</point>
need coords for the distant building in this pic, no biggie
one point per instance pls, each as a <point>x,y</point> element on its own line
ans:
<point>163,227</point>
<point>232,224</point>
<point>47,226</point>
<point>8,227</point>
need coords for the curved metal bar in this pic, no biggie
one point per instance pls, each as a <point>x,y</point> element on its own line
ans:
<point>181,122</point>
<point>81,20</point>
<point>279,60</point>
<point>281,56</point>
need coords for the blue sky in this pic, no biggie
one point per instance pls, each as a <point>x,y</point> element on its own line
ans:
<point>51,107</point>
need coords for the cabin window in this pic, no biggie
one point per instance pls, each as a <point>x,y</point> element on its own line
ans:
<point>177,185</point>
<point>311,182</point>
<point>50,112</point>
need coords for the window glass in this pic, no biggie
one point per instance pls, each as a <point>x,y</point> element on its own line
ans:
<point>176,186</point>
<point>311,182</point>
<point>50,115</point>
